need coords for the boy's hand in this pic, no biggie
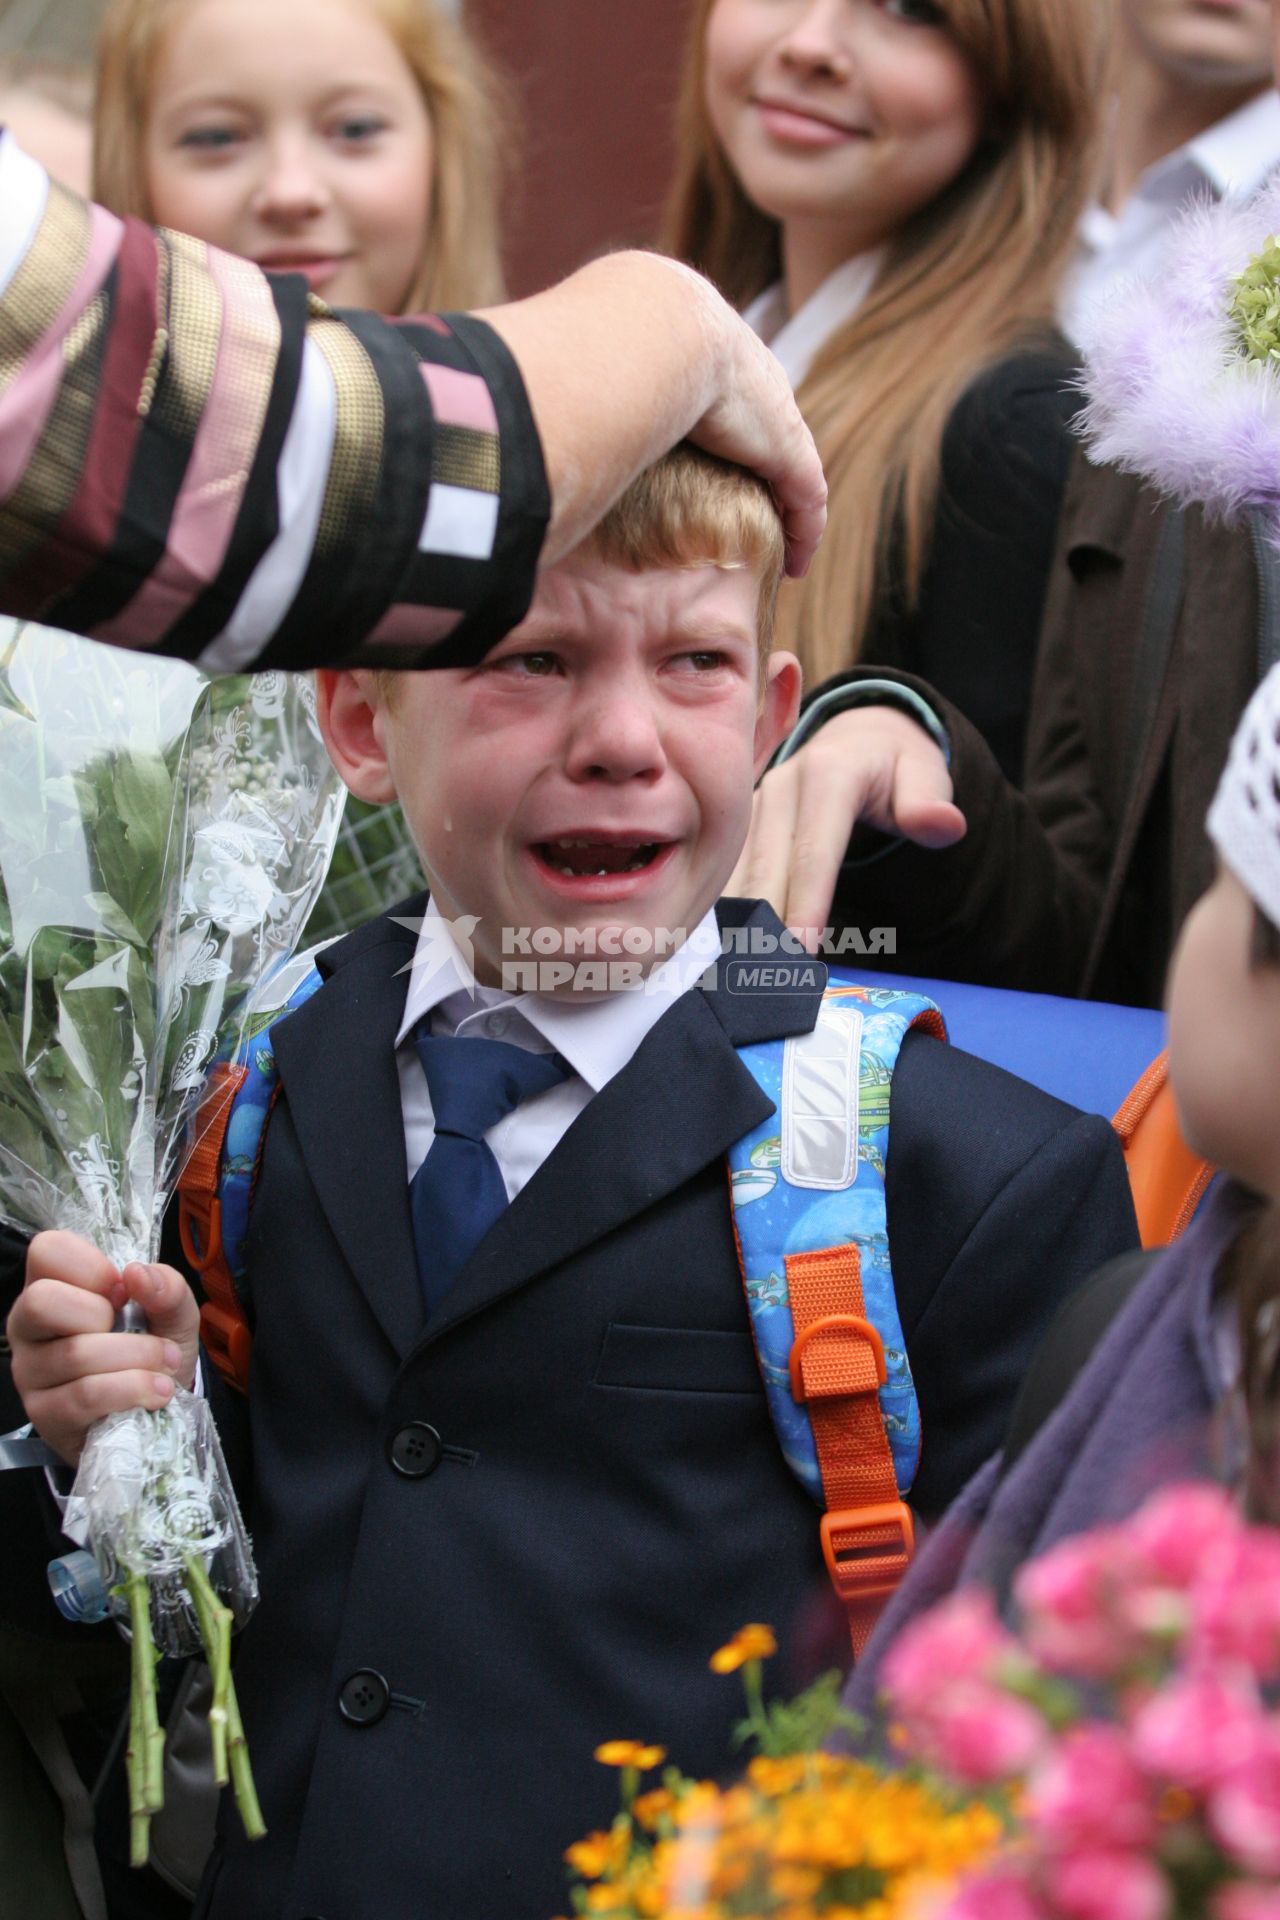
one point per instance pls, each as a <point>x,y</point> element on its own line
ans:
<point>872,764</point>
<point>68,1366</point>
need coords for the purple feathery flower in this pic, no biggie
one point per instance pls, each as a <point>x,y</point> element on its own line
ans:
<point>1173,394</point>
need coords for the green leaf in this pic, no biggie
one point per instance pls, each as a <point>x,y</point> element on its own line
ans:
<point>144,799</point>
<point>113,917</point>
<point>801,1725</point>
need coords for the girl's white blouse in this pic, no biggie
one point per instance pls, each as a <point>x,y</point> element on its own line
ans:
<point>798,338</point>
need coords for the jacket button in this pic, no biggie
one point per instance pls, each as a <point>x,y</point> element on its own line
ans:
<point>364,1698</point>
<point>415,1450</point>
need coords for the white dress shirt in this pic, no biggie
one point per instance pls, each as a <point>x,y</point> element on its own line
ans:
<point>597,1037</point>
<point>1230,159</point>
<point>796,339</point>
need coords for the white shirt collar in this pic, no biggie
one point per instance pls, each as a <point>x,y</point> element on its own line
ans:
<point>1236,154</point>
<point>597,1037</point>
<point>796,340</point>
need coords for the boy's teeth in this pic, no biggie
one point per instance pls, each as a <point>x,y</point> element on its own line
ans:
<point>623,859</point>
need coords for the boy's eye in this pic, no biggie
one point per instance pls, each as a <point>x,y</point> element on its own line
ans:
<point>704,659</point>
<point>537,666</point>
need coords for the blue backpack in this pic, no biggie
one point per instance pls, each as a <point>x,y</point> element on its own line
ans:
<point>808,1197</point>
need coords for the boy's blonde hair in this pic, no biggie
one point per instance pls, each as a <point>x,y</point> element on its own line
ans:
<point>471,122</point>
<point>969,279</point>
<point>688,509</point>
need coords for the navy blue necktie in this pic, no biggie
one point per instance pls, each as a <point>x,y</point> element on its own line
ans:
<point>458,1191</point>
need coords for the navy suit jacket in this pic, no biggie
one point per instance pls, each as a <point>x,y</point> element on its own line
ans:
<point>609,1503</point>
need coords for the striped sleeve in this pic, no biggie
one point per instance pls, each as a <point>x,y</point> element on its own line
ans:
<point>204,460</point>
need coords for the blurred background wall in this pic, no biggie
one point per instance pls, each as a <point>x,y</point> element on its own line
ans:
<point>56,29</point>
<point>596,80</point>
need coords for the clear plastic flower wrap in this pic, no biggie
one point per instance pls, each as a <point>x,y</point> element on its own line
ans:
<point>163,838</point>
<point>150,1492</point>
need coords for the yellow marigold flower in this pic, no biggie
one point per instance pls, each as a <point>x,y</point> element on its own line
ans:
<point>753,1642</point>
<point>648,1808</point>
<point>794,1883</point>
<point>774,1777</point>
<point>630,1753</point>
<point>591,1857</point>
<point>602,1856</point>
<point>699,1808</point>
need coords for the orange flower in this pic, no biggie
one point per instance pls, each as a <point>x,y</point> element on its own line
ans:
<point>591,1857</point>
<point>630,1753</point>
<point>748,1643</point>
<point>795,1882</point>
<point>648,1808</point>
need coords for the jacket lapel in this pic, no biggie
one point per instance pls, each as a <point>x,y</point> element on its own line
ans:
<point>338,1074</point>
<point>679,1105</point>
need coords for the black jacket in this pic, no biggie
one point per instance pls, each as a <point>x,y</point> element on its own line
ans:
<point>609,1503</point>
<point>1006,453</point>
<point>1158,626</point>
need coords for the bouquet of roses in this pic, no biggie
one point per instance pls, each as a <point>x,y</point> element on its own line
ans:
<point>1132,1719</point>
<point>162,841</point>
<point>805,1833</point>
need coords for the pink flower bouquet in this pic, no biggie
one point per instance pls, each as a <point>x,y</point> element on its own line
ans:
<point>1131,1721</point>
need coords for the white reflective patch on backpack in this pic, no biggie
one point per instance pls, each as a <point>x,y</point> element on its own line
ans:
<point>820,1101</point>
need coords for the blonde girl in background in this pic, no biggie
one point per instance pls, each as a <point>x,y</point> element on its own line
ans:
<point>890,189</point>
<point>359,143</point>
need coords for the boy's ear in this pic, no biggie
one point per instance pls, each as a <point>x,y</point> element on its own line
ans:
<point>350,711</point>
<point>779,706</point>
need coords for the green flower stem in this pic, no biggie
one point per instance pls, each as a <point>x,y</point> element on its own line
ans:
<point>226,1729</point>
<point>753,1688</point>
<point>146,1736</point>
<point>242,1782</point>
<point>215,1631</point>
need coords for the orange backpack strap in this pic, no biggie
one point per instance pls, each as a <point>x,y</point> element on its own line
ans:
<point>837,1371</point>
<point>811,1226</point>
<point>1166,1178</point>
<point>217,1184</point>
<point>223,1329</point>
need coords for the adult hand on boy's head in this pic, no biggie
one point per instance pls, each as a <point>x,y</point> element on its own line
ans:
<point>68,1366</point>
<point>872,766</point>
<point>754,421</point>
<point>634,353</point>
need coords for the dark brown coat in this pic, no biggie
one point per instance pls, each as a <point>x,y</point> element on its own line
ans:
<point>1079,883</point>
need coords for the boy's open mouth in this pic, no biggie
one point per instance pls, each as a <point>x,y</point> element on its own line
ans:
<point>581,858</point>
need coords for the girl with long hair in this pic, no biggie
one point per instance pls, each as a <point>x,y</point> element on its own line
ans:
<point>891,189</point>
<point>357,142</point>
<point>271,130</point>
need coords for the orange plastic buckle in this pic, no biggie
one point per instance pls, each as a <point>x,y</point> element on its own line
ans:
<point>861,1569</point>
<point>200,1230</point>
<point>228,1343</point>
<point>834,1323</point>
